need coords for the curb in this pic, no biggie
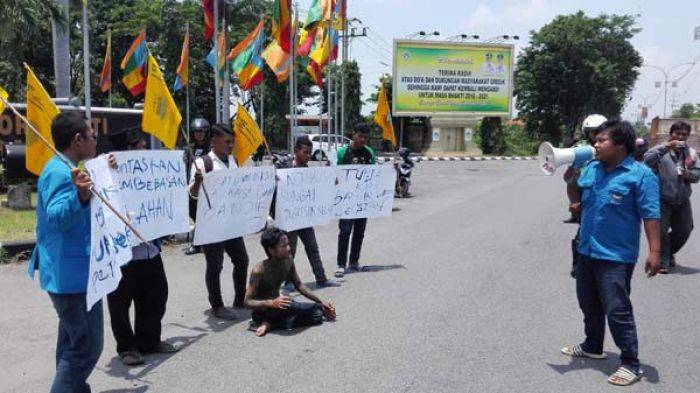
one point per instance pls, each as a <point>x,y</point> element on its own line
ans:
<point>478,158</point>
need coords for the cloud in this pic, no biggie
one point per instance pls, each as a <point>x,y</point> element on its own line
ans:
<point>519,18</point>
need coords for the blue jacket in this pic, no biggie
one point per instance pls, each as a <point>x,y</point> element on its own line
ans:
<point>62,252</point>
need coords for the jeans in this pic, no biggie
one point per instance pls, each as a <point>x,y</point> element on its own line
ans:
<point>308,237</point>
<point>603,290</point>
<point>80,342</point>
<point>356,227</point>
<point>214,254</point>
<point>297,315</point>
<point>144,284</point>
<point>679,219</point>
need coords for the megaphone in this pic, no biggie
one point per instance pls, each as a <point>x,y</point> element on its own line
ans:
<point>552,158</point>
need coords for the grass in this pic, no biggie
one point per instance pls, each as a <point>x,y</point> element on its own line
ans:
<point>17,225</point>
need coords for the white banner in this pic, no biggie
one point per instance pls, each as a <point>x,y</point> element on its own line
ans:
<point>153,186</point>
<point>240,203</point>
<point>304,197</point>
<point>110,247</point>
<point>364,191</point>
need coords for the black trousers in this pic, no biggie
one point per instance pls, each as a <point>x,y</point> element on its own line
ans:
<point>214,254</point>
<point>144,284</point>
<point>679,220</point>
<point>308,238</point>
<point>356,227</point>
<point>297,315</point>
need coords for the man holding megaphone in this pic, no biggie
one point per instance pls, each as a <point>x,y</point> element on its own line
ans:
<point>576,157</point>
<point>617,193</point>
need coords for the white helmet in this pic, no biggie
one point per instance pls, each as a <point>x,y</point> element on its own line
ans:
<point>593,121</point>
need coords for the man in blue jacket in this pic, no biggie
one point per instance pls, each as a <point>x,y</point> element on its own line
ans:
<point>62,252</point>
<point>617,194</point>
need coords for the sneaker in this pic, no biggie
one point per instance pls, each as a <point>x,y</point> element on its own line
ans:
<point>131,358</point>
<point>327,283</point>
<point>340,273</point>
<point>354,268</point>
<point>165,347</point>
<point>223,313</point>
<point>192,250</point>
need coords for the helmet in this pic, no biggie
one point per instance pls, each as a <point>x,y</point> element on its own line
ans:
<point>593,121</point>
<point>200,124</point>
<point>403,152</point>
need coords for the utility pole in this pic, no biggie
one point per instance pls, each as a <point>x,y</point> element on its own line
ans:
<point>61,50</point>
<point>346,50</point>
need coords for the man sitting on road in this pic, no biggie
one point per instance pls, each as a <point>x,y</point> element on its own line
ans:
<point>616,194</point>
<point>678,167</point>
<point>270,310</point>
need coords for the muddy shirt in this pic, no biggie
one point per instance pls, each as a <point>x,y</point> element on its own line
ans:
<point>268,276</point>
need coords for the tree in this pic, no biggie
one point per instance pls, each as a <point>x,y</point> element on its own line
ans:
<point>492,136</point>
<point>575,65</point>
<point>687,111</point>
<point>353,93</point>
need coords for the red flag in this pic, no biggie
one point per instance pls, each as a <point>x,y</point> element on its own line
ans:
<point>208,8</point>
<point>106,74</point>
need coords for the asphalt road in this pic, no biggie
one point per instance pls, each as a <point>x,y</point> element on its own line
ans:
<point>469,292</point>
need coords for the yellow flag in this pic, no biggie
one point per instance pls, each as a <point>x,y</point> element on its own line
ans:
<point>248,135</point>
<point>40,112</point>
<point>161,118</point>
<point>383,117</point>
<point>5,97</point>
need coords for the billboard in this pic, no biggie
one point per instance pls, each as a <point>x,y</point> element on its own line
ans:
<point>452,79</point>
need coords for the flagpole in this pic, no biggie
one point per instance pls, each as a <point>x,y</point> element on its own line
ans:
<point>262,108</point>
<point>226,93</point>
<point>342,75</point>
<point>217,92</point>
<point>329,105</point>
<point>86,64</point>
<point>187,85</point>
<point>292,78</point>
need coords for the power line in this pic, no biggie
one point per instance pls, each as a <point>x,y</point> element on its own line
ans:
<point>383,55</point>
<point>385,42</point>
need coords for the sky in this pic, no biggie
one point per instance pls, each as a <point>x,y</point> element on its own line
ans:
<point>666,39</point>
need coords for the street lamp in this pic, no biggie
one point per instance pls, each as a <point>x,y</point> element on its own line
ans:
<point>462,37</point>
<point>666,81</point>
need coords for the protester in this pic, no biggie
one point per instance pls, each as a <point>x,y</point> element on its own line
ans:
<point>144,284</point>
<point>220,158</point>
<point>199,146</point>
<point>302,155</point>
<point>62,252</point>
<point>589,127</point>
<point>356,153</point>
<point>616,194</point>
<point>677,166</point>
<point>270,309</point>
<point>641,147</point>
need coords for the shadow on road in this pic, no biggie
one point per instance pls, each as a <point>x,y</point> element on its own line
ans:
<point>140,389</point>
<point>684,270</point>
<point>606,367</point>
<point>379,268</point>
<point>116,368</point>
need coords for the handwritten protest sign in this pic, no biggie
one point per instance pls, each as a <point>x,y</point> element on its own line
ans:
<point>304,197</point>
<point>110,247</point>
<point>364,191</point>
<point>240,203</point>
<point>153,186</point>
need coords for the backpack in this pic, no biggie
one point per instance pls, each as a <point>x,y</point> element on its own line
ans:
<point>208,167</point>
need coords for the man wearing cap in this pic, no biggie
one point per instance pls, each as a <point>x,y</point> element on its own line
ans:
<point>220,158</point>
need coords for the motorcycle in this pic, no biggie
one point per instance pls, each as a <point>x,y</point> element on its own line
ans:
<point>403,174</point>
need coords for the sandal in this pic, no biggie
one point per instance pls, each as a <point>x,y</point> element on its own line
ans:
<point>624,377</point>
<point>575,351</point>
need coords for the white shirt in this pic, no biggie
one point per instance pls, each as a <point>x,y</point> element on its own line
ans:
<point>218,164</point>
